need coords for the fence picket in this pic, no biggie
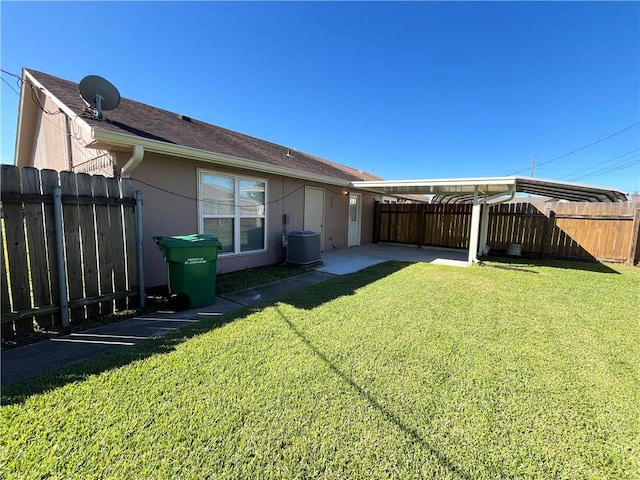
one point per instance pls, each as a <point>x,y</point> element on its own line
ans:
<point>34,225</point>
<point>73,247</point>
<point>5,302</point>
<point>89,248</point>
<point>99,189</point>
<point>49,179</point>
<point>16,244</point>
<point>117,243</point>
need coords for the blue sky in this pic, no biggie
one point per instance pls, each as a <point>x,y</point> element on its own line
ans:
<point>406,90</point>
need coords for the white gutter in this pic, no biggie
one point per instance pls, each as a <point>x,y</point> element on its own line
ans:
<point>134,161</point>
<point>126,140</point>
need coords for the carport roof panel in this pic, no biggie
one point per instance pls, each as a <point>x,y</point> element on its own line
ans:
<point>487,186</point>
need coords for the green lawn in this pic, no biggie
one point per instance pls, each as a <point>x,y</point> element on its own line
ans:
<point>399,371</point>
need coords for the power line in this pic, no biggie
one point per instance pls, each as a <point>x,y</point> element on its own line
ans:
<point>11,87</point>
<point>11,74</point>
<point>72,134</point>
<point>611,168</point>
<point>579,149</point>
<point>599,166</point>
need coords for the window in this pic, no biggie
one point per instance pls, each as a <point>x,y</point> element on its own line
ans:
<point>233,209</point>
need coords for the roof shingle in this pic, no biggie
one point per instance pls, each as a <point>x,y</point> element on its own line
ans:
<point>135,118</point>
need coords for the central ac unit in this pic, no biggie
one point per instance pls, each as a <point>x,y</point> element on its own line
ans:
<point>303,248</point>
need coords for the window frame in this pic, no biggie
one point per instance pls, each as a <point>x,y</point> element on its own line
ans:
<point>236,216</point>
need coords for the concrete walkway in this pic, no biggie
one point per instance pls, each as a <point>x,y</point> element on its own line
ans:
<point>23,362</point>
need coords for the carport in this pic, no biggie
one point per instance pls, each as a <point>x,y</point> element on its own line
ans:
<point>485,191</point>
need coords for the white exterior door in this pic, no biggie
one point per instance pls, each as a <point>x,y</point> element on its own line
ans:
<point>314,211</point>
<point>355,219</point>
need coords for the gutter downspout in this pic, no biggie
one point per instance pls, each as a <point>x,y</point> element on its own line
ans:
<point>134,161</point>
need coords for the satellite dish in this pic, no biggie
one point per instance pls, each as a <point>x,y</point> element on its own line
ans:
<point>99,94</point>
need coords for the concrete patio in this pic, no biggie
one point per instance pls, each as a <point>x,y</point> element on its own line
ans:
<point>349,260</point>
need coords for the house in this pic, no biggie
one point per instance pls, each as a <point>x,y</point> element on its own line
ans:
<point>194,176</point>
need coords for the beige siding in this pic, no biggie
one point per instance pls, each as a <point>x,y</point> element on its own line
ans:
<point>50,143</point>
<point>59,143</point>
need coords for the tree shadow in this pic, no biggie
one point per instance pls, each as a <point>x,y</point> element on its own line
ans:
<point>410,431</point>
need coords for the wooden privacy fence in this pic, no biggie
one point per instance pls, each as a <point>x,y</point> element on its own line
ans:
<point>94,240</point>
<point>571,230</point>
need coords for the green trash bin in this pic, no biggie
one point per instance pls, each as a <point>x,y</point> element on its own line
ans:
<point>191,261</point>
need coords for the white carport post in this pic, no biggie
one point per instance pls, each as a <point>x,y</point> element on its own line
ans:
<point>475,227</point>
<point>484,222</point>
<point>484,229</point>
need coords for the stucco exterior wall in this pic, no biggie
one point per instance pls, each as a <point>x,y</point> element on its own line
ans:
<point>169,189</point>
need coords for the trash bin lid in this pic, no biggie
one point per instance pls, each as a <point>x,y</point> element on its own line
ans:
<point>193,240</point>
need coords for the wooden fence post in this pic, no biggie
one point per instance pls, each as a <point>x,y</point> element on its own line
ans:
<point>376,221</point>
<point>634,244</point>
<point>422,213</point>
<point>547,235</point>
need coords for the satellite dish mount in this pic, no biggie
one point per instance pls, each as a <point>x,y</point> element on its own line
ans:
<point>99,95</point>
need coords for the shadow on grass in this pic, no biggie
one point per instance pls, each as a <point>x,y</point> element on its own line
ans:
<point>344,285</point>
<point>80,370</point>
<point>519,263</point>
<point>409,430</point>
<point>306,298</point>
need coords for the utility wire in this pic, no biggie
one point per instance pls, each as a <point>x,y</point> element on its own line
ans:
<point>610,169</point>
<point>11,87</point>
<point>74,135</point>
<point>214,202</point>
<point>601,165</point>
<point>578,149</point>
<point>10,74</point>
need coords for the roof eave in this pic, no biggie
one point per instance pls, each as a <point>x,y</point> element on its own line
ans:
<point>465,187</point>
<point>23,142</point>
<point>104,139</point>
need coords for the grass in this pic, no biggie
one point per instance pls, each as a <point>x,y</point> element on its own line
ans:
<point>398,371</point>
<point>235,281</point>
